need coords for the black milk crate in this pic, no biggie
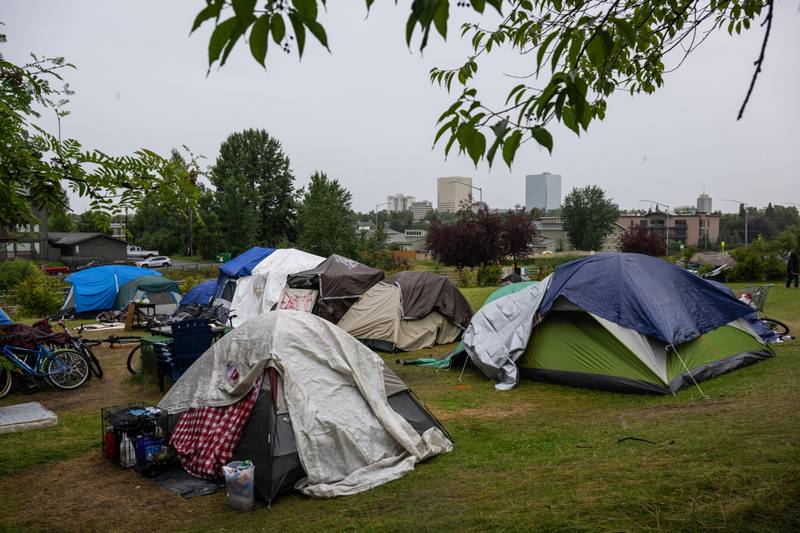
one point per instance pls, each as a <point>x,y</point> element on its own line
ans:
<point>115,423</point>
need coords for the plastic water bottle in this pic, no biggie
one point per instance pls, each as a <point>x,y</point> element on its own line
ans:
<point>127,454</point>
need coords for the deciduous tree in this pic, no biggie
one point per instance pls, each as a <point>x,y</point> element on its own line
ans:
<point>588,217</point>
<point>641,241</point>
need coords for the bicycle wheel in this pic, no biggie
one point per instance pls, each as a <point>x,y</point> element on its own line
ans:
<point>67,369</point>
<point>135,363</point>
<point>94,363</point>
<point>6,382</point>
<point>776,325</point>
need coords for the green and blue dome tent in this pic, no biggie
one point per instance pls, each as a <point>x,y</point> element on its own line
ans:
<point>617,321</point>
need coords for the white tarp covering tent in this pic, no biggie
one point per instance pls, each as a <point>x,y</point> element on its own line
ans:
<point>348,436</point>
<point>257,293</point>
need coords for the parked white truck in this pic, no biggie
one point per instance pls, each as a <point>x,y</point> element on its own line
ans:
<point>137,252</point>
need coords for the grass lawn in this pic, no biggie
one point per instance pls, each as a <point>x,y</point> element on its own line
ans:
<point>537,457</point>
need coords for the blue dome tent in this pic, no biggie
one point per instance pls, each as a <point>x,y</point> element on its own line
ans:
<point>95,289</point>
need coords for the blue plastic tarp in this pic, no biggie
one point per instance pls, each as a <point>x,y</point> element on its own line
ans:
<point>95,289</point>
<point>240,266</point>
<point>243,264</point>
<point>645,294</point>
<point>200,294</point>
<point>767,335</point>
<point>4,320</point>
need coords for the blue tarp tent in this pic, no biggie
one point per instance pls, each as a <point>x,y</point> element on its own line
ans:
<point>645,294</point>
<point>240,266</point>
<point>200,294</point>
<point>4,320</point>
<point>95,289</point>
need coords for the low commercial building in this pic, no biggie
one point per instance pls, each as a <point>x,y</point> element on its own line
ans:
<point>696,229</point>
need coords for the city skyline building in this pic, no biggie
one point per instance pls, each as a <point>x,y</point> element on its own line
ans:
<point>542,191</point>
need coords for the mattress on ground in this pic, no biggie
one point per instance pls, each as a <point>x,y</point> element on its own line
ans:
<point>25,416</point>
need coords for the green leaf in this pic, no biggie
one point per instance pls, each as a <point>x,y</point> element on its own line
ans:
<point>259,38</point>
<point>479,5</point>
<point>210,11</point>
<point>543,49</point>
<point>318,31</point>
<point>244,10</point>
<point>543,137</point>
<point>476,147</point>
<point>299,32</point>
<point>440,18</point>
<point>219,37</point>
<point>278,28</point>
<point>626,30</point>
<point>510,147</point>
<point>307,8</point>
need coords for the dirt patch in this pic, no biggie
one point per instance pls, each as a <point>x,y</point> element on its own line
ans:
<point>89,494</point>
<point>714,405</point>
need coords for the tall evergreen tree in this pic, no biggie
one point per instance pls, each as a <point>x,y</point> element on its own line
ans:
<point>326,223</point>
<point>255,190</point>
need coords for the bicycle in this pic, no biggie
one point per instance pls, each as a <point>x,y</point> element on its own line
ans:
<point>64,368</point>
<point>84,347</point>
<point>756,297</point>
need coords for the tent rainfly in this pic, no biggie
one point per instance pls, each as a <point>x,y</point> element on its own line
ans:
<point>200,294</point>
<point>95,289</point>
<point>340,282</point>
<point>330,419</point>
<point>410,311</point>
<point>164,293</point>
<point>240,266</point>
<point>623,322</point>
<point>257,293</point>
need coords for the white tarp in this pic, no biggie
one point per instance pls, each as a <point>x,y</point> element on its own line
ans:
<point>257,293</point>
<point>498,333</point>
<point>348,437</point>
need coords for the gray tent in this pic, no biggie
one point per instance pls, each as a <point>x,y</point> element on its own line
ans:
<point>331,418</point>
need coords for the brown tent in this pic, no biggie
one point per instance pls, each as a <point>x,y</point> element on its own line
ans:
<point>424,293</point>
<point>409,311</point>
<point>340,282</point>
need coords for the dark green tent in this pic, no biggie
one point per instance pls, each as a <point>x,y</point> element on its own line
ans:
<point>161,291</point>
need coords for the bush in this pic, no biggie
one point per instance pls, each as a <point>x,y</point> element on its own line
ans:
<point>489,276</point>
<point>13,272</point>
<point>38,295</point>
<point>465,278</point>
<point>754,263</point>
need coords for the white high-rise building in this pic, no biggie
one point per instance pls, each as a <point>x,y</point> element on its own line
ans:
<point>452,192</point>
<point>704,203</point>
<point>399,202</point>
<point>543,191</point>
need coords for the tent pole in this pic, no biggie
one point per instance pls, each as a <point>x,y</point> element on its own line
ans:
<point>705,396</point>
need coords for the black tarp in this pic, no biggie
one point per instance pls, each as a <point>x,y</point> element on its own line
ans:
<point>424,293</point>
<point>340,282</point>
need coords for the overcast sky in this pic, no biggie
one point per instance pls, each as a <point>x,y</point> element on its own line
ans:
<point>366,113</point>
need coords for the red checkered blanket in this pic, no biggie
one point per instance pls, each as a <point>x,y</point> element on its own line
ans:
<point>206,437</point>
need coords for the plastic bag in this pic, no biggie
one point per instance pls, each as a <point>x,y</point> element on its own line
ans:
<point>239,478</point>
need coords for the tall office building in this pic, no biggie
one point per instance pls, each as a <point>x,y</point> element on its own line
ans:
<point>704,203</point>
<point>399,202</point>
<point>543,191</point>
<point>452,192</point>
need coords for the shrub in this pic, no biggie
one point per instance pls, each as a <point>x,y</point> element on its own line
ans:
<point>13,272</point>
<point>489,276</point>
<point>465,277</point>
<point>38,295</point>
<point>754,263</point>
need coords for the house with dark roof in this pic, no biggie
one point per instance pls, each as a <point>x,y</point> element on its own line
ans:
<point>79,247</point>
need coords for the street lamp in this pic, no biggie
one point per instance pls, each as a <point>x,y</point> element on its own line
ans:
<point>480,191</point>
<point>665,206</point>
<point>745,217</point>
<point>376,213</point>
